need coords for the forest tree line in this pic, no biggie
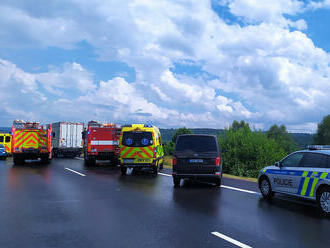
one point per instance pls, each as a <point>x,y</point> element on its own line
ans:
<point>248,150</point>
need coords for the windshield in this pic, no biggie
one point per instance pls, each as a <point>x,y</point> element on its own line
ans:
<point>137,139</point>
<point>196,144</point>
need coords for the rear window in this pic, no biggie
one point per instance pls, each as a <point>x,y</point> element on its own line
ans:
<point>196,144</point>
<point>137,139</point>
<point>7,139</point>
<point>1,138</point>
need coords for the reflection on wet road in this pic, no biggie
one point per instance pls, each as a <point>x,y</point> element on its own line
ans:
<point>55,206</point>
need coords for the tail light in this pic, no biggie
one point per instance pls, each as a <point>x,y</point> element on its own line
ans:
<point>174,161</point>
<point>217,161</point>
<point>155,152</point>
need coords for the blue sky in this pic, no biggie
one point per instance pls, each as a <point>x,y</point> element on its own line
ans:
<point>171,63</point>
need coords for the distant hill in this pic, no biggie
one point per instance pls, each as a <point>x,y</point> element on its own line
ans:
<point>301,139</point>
<point>5,130</point>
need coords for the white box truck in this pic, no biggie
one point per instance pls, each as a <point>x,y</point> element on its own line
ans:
<point>67,139</point>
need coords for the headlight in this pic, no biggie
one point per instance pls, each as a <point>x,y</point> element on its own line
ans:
<point>93,150</point>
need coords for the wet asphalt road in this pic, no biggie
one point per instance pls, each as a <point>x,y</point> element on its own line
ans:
<point>51,206</point>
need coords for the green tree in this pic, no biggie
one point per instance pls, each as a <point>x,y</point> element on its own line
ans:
<point>240,125</point>
<point>322,136</point>
<point>169,146</point>
<point>282,137</point>
<point>180,131</point>
<point>248,151</point>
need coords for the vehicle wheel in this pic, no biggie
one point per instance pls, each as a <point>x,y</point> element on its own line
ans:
<point>45,160</point>
<point>218,182</point>
<point>176,182</point>
<point>161,166</point>
<point>266,188</point>
<point>92,162</point>
<point>114,162</point>
<point>155,169</point>
<point>323,200</point>
<point>123,170</point>
<point>18,161</point>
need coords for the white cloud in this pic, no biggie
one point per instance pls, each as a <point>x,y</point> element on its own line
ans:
<point>319,4</point>
<point>72,76</point>
<point>262,72</point>
<point>254,11</point>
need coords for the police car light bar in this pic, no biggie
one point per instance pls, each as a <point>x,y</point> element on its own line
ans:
<point>318,147</point>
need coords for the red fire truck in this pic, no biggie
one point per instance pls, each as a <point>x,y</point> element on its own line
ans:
<point>31,140</point>
<point>101,142</point>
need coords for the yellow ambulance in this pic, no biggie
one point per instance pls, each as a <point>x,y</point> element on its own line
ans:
<point>141,146</point>
<point>5,140</point>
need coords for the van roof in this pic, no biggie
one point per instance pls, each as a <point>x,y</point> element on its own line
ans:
<point>205,135</point>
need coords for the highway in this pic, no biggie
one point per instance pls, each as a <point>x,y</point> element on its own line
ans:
<point>65,204</point>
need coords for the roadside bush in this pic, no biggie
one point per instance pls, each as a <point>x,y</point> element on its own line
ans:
<point>248,151</point>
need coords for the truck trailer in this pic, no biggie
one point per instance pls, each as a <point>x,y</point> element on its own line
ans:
<point>31,140</point>
<point>66,139</point>
<point>101,142</point>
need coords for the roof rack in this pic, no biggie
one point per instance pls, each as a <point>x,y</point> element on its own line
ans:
<point>318,147</point>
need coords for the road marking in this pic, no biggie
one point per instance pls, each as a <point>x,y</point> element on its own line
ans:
<point>238,189</point>
<point>223,186</point>
<point>164,174</point>
<point>79,158</point>
<point>230,240</point>
<point>80,174</point>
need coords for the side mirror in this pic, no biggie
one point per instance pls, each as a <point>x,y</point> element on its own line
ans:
<point>278,164</point>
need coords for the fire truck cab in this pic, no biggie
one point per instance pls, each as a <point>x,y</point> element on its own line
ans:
<point>101,142</point>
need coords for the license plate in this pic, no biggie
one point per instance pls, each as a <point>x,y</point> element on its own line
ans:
<point>128,160</point>
<point>142,160</point>
<point>196,161</point>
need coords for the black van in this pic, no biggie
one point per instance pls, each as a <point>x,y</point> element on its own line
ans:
<point>197,157</point>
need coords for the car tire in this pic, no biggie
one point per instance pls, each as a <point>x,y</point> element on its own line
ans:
<point>18,161</point>
<point>266,188</point>
<point>176,182</point>
<point>45,160</point>
<point>161,166</point>
<point>218,182</point>
<point>123,170</point>
<point>155,169</point>
<point>323,200</point>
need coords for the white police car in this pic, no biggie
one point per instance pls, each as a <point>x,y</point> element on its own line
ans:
<point>303,173</point>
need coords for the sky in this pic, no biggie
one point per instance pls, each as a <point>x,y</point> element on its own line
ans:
<point>171,63</point>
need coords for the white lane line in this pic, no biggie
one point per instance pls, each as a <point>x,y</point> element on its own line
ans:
<point>230,240</point>
<point>80,174</point>
<point>223,186</point>
<point>238,189</point>
<point>79,158</point>
<point>164,174</point>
